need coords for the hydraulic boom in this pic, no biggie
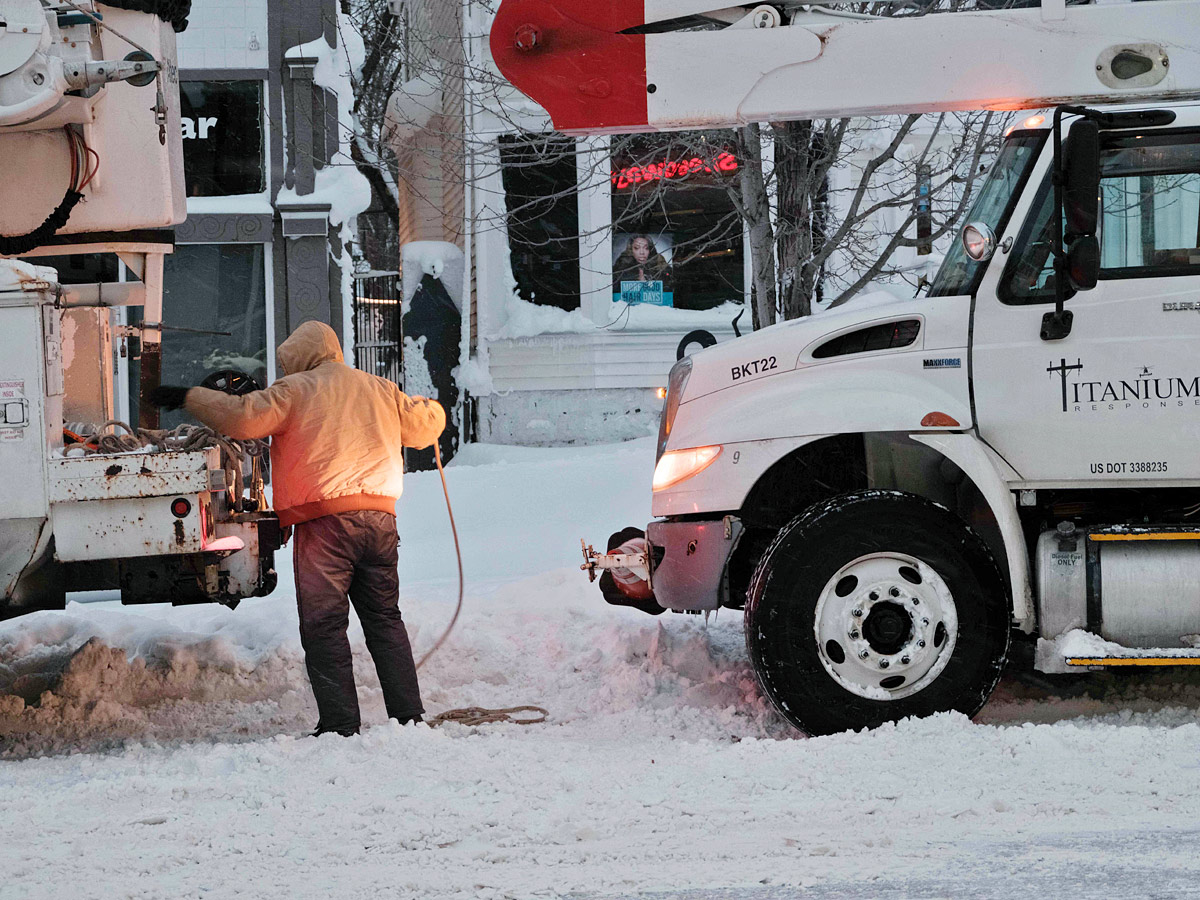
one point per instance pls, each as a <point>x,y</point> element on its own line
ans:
<point>660,65</point>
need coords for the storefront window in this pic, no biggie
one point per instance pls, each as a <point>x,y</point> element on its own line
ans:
<point>222,137</point>
<point>208,289</point>
<point>542,208</point>
<point>677,237</point>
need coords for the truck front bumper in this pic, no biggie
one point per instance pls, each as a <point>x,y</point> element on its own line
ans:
<point>690,561</point>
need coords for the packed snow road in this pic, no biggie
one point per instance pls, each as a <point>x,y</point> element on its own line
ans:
<point>157,752</point>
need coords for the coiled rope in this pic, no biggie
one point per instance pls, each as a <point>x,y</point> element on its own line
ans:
<point>477,715</point>
<point>182,438</point>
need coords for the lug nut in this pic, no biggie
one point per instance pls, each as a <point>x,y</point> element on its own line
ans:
<point>895,592</point>
<point>905,660</point>
<point>874,595</point>
<point>857,614</point>
<point>854,635</point>
<point>864,654</point>
<point>883,664</point>
<point>916,601</point>
<point>924,621</point>
<point>920,643</point>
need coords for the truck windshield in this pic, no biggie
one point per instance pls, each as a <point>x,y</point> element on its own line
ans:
<point>959,273</point>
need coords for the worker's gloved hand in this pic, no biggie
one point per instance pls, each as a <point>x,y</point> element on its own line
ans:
<point>168,396</point>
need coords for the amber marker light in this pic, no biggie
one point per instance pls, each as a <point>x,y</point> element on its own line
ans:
<point>680,465</point>
<point>661,393</point>
<point>939,420</point>
<point>1034,122</point>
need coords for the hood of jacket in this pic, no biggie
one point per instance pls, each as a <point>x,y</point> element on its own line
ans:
<point>307,347</point>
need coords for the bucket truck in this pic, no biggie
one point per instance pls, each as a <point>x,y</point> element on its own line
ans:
<point>894,493</point>
<point>92,163</point>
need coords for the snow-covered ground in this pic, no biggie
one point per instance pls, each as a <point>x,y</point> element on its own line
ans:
<point>157,752</point>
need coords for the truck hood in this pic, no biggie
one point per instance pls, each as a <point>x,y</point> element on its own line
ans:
<point>790,345</point>
<point>869,367</point>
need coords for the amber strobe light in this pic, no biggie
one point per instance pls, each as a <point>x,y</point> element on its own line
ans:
<point>679,465</point>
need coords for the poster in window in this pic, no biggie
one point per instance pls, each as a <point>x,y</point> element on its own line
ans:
<point>642,269</point>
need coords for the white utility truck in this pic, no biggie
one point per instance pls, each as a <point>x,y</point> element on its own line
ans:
<point>91,162</point>
<point>892,492</point>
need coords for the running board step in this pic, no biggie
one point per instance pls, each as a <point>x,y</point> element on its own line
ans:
<point>1192,659</point>
<point>1126,533</point>
<point>1079,650</point>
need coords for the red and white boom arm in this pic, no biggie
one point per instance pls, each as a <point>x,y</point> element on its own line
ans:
<point>605,66</point>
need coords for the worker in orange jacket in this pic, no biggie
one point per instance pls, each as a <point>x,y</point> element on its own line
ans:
<point>337,469</point>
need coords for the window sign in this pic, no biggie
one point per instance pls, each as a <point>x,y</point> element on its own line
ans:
<point>723,163</point>
<point>678,238</point>
<point>642,269</point>
<point>222,123</point>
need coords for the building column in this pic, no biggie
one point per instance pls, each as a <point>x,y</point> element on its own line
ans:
<point>299,103</point>
<point>593,162</point>
<point>306,251</point>
<point>305,224</point>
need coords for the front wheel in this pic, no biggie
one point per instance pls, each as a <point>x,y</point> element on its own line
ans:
<point>872,607</point>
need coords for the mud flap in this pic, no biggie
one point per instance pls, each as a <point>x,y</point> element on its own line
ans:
<point>608,585</point>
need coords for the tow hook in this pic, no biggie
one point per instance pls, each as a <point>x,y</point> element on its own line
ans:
<point>637,563</point>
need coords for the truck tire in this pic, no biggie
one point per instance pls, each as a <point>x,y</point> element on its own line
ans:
<point>874,606</point>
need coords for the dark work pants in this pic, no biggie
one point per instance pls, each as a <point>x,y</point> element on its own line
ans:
<point>354,554</point>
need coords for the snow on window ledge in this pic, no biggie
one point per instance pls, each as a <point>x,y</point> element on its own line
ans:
<point>523,319</point>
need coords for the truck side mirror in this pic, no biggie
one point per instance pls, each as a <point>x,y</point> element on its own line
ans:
<point>1081,179</point>
<point>1077,188</point>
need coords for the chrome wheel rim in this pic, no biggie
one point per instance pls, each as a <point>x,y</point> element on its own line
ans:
<point>886,625</point>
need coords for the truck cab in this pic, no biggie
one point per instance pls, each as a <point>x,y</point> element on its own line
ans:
<point>891,492</point>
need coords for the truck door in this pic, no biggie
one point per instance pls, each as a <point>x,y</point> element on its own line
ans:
<point>1117,400</point>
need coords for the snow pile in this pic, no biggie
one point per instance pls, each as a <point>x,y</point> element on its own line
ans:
<point>342,186</point>
<point>1083,644</point>
<point>524,319</point>
<point>647,317</point>
<point>661,767</point>
<point>412,106</point>
<point>430,256</point>
<point>473,376</point>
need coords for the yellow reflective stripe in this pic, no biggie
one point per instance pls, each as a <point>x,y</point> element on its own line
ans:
<point>1135,661</point>
<point>1155,536</point>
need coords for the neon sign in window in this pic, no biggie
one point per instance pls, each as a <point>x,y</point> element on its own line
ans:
<point>722,164</point>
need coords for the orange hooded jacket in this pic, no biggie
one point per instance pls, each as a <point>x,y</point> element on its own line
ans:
<point>336,432</point>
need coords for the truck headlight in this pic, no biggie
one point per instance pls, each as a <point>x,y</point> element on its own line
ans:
<point>676,382</point>
<point>678,465</point>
